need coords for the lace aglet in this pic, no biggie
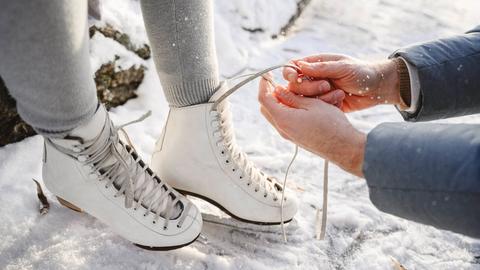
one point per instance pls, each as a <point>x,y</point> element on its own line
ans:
<point>321,220</point>
<point>146,115</point>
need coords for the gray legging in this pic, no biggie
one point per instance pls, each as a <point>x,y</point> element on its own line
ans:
<point>44,57</point>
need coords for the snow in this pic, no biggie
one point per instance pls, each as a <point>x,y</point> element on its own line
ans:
<point>358,235</point>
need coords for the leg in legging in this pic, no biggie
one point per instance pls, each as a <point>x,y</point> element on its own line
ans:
<point>45,63</point>
<point>182,38</point>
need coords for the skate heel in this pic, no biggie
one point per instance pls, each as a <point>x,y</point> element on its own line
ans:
<point>69,205</point>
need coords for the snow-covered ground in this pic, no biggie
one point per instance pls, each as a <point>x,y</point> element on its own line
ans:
<point>358,235</point>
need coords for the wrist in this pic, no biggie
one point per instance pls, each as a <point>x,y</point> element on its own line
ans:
<point>351,160</point>
<point>358,154</point>
<point>389,83</point>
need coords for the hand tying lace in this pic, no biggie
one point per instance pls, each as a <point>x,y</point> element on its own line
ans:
<point>218,108</point>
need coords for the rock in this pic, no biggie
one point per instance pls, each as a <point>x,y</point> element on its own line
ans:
<point>13,129</point>
<point>114,88</point>
<point>94,9</point>
<point>109,32</point>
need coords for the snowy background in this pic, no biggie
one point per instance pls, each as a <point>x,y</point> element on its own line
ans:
<point>358,235</point>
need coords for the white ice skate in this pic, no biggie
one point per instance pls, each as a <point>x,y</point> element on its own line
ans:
<point>197,154</point>
<point>91,170</point>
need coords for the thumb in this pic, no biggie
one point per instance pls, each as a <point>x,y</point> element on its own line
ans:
<point>290,99</point>
<point>330,69</point>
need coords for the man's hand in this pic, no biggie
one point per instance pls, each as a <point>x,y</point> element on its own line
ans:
<point>366,84</point>
<point>315,125</point>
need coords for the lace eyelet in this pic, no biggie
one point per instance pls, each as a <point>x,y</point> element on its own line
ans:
<point>165,228</point>
<point>134,209</point>
<point>233,170</point>
<point>106,186</point>
<point>223,152</point>
<point>178,226</point>
<point>144,215</point>
<point>241,177</point>
<point>154,222</point>
<point>227,161</point>
<point>265,195</point>
<point>256,190</point>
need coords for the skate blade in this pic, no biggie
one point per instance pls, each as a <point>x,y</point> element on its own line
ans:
<point>232,223</point>
<point>187,193</point>
<point>166,248</point>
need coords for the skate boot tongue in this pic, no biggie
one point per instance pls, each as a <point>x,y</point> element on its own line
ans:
<point>97,143</point>
<point>89,130</point>
<point>86,132</point>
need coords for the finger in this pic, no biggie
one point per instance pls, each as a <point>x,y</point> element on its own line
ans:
<point>268,100</point>
<point>269,118</point>
<point>292,100</point>
<point>289,73</point>
<point>333,97</point>
<point>340,105</point>
<point>310,88</point>
<point>322,57</point>
<point>330,69</point>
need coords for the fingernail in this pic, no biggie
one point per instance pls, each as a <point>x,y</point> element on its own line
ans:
<point>303,64</point>
<point>292,77</point>
<point>324,86</point>
<point>268,75</point>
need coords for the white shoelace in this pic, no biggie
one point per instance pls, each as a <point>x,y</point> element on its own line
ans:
<point>219,107</point>
<point>118,165</point>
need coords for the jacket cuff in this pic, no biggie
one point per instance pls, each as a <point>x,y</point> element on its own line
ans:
<point>409,85</point>
<point>404,81</point>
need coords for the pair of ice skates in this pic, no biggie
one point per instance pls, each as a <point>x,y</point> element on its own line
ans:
<point>92,170</point>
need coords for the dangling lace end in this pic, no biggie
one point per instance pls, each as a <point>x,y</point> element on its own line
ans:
<point>282,223</point>
<point>140,119</point>
<point>321,223</point>
<point>318,224</point>
<point>124,133</point>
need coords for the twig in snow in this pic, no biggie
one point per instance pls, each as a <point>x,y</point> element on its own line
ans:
<point>301,5</point>
<point>44,205</point>
<point>397,265</point>
<point>253,30</point>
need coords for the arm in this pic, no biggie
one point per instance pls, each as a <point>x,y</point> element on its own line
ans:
<point>429,173</point>
<point>448,80</point>
<point>443,76</point>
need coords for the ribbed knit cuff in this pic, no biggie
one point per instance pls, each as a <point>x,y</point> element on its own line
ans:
<point>404,81</point>
<point>190,93</point>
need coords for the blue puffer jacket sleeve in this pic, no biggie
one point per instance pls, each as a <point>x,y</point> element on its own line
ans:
<point>449,76</point>
<point>430,173</point>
